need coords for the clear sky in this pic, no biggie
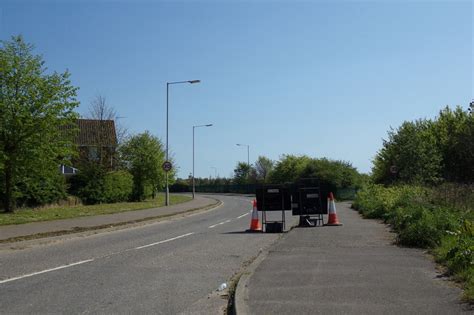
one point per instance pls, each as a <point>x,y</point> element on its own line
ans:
<point>326,79</point>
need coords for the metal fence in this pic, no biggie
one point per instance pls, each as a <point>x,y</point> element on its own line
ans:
<point>340,193</point>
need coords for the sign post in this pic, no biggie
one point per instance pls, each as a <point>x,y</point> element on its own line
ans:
<point>167,166</point>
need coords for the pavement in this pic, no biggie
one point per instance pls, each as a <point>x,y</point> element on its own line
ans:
<point>350,269</point>
<point>12,232</point>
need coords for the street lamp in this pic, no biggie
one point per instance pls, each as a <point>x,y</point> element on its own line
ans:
<point>215,171</point>
<point>248,150</point>
<point>194,127</point>
<point>167,199</point>
<point>248,163</point>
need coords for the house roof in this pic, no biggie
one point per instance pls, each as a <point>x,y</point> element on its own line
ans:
<point>93,132</point>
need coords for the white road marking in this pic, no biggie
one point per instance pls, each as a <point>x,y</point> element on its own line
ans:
<point>45,271</point>
<point>165,241</point>
<point>213,226</point>
<point>250,201</point>
<point>243,215</point>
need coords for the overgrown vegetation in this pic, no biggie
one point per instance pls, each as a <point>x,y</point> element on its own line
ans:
<point>428,218</point>
<point>429,151</point>
<point>423,187</point>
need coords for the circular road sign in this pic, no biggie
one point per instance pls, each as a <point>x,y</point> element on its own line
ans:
<point>167,166</point>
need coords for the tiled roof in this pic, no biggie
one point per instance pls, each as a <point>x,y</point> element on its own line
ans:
<point>94,132</point>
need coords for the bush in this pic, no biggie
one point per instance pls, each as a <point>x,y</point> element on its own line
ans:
<point>37,190</point>
<point>421,222</point>
<point>88,184</point>
<point>118,186</point>
<point>421,226</point>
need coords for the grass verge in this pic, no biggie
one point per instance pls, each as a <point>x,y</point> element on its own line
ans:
<point>422,219</point>
<point>22,216</point>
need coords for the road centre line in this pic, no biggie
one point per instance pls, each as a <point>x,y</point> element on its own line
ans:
<point>164,241</point>
<point>220,223</point>
<point>243,215</point>
<point>47,270</point>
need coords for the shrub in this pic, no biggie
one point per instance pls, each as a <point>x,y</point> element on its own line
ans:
<point>118,186</point>
<point>422,218</point>
<point>88,184</point>
<point>38,190</point>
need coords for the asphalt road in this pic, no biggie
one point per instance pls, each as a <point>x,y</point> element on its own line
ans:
<point>167,267</point>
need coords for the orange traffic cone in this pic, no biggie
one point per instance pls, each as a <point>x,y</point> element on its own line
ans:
<point>332,216</point>
<point>255,225</point>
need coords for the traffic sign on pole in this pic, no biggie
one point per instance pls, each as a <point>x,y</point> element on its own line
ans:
<point>167,166</point>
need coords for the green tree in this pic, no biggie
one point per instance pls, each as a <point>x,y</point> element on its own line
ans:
<point>143,156</point>
<point>413,150</point>
<point>289,168</point>
<point>263,168</point>
<point>241,173</point>
<point>33,107</point>
<point>454,130</point>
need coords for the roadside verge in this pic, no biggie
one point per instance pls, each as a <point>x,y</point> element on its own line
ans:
<point>37,230</point>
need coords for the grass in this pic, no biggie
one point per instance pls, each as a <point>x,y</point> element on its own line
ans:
<point>21,216</point>
<point>440,219</point>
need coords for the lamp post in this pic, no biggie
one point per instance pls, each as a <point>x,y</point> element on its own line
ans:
<point>248,163</point>
<point>248,150</point>
<point>194,127</point>
<point>215,171</point>
<point>167,199</point>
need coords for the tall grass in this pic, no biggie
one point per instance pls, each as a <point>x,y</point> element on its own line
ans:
<point>439,218</point>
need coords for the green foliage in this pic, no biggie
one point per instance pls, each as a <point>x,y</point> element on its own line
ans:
<point>333,174</point>
<point>413,150</point>
<point>118,186</point>
<point>263,168</point>
<point>89,183</point>
<point>66,212</point>
<point>454,131</point>
<point>457,253</point>
<point>41,188</point>
<point>422,219</point>
<point>242,173</point>
<point>143,156</point>
<point>428,152</point>
<point>289,168</point>
<point>33,107</point>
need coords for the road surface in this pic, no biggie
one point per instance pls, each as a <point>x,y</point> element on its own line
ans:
<point>166,267</point>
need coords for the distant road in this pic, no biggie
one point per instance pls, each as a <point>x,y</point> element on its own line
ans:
<point>167,267</point>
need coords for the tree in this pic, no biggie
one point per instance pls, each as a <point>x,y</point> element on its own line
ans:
<point>289,168</point>
<point>100,110</point>
<point>332,174</point>
<point>414,151</point>
<point>143,156</point>
<point>241,173</point>
<point>263,167</point>
<point>33,107</point>
<point>454,131</point>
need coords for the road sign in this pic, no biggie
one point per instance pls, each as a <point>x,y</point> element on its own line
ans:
<point>393,169</point>
<point>167,166</point>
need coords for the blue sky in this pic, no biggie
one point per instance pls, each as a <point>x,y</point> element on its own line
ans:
<point>325,79</point>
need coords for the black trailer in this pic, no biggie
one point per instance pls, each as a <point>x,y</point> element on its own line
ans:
<point>273,198</point>
<point>309,202</point>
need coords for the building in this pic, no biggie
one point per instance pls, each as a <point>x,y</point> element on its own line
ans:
<point>96,141</point>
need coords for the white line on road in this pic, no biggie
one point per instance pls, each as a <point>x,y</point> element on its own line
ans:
<point>213,226</point>
<point>165,241</point>
<point>45,271</point>
<point>243,215</point>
